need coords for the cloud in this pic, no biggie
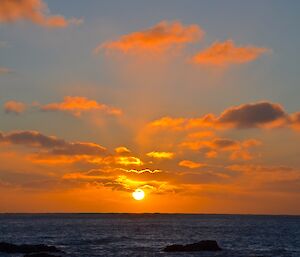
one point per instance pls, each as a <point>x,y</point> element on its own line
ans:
<point>14,107</point>
<point>158,38</point>
<point>295,120</point>
<point>26,180</point>
<point>253,115</point>
<point>89,175</point>
<point>4,70</point>
<point>269,178</point>
<point>237,149</point>
<point>122,150</point>
<point>169,123</point>
<point>262,114</point>
<point>211,154</point>
<point>191,164</point>
<point>201,134</point>
<point>223,144</point>
<point>227,53</point>
<point>140,171</point>
<point>259,169</point>
<point>121,182</point>
<point>52,145</point>
<point>35,11</point>
<point>161,155</point>
<point>127,161</point>
<point>77,105</point>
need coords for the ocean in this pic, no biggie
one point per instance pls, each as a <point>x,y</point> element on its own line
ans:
<point>91,235</point>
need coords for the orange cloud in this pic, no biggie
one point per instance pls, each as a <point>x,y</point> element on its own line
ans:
<point>253,115</point>
<point>124,183</point>
<point>169,123</point>
<point>161,155</point>
<point>121,183</point>
<point>4,70</point>
<point>191,164</point>
<point>201,134</point>
<point>77,105</point>
<point>295,120</point>
<point>211,154</point>
<point>122,150</point>
<point>238,149</point>
<point>14,107</point>
<point>160,37</point>
<point>227,53</point>
<point>34,11</point>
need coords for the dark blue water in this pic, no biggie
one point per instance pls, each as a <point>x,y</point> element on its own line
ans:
<point>90,235</point>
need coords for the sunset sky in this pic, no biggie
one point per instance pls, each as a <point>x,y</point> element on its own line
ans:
<point>194,102</point>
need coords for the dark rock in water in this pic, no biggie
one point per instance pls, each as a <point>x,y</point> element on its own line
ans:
<point>205,245</point>
<point>25,248</point>
<point>40,255</point>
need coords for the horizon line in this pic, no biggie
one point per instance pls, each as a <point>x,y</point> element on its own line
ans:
<point>146,213</point>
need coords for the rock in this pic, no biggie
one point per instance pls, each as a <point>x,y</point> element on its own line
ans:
<point>26,248</point>
<point>40,255</point>
<point>205,245</point>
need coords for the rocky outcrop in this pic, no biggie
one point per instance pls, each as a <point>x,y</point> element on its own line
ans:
<point>26,248</point>
<point>205,245</point>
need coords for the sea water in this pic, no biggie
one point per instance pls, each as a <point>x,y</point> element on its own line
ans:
<point>91,235</point>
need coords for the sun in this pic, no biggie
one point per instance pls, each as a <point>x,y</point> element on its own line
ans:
<point>138,194</point>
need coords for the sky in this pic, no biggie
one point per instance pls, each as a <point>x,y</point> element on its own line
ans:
<point>194,102</point>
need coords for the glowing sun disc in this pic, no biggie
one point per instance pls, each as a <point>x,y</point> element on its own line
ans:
<point>138,194</point>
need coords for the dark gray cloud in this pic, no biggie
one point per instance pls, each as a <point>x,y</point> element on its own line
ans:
<point>253,115</point>
<point>225,143</point>
<point>52,144</point>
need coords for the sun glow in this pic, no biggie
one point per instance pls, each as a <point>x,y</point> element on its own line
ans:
<point>138,194</point>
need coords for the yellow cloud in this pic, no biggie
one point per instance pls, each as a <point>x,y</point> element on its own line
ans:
<point>131,160</point>
<point>161,155</point>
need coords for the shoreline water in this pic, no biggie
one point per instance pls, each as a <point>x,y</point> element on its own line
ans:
<point>131,234</point>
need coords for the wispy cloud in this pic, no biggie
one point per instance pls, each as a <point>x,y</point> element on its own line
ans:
<point>158,38</point>
<point>14,107</point>
<point>77,105</point>
<point>35,11</point>
<point>227,53</point>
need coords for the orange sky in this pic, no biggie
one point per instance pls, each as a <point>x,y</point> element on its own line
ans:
<point>93,109</point>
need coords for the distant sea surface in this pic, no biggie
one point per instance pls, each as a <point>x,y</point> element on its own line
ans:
<point>91,235</point>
